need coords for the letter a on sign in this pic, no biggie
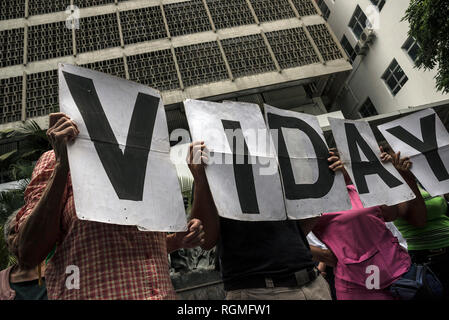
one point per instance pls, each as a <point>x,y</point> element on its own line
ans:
<point>422,137</point>
<point>119,164</point>
<point>377,183</point>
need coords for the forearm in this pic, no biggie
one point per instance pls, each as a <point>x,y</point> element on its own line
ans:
<point>204,209</point>
<point>172,243</point>
<point>308,224</point>
<point>323,255</point>
<point>317,253</point>
<point>38,233</point>
<point>413,211</point>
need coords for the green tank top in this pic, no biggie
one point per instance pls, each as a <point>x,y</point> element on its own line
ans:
<point>435,234</point>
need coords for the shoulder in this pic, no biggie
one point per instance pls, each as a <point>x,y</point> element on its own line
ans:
<point>46,158</point>
<point>45,162</point>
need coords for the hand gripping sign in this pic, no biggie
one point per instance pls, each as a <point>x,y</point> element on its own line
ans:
<point>251,189</point>
<point>422,137</point>
<point>119,164</point>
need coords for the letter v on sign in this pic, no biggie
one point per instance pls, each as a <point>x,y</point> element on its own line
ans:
<point>126,170</point>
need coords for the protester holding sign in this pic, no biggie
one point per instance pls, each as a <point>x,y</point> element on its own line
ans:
<point>92,260</point>
<point>428,244</point>
<point>369,257</point>
<point>259,259</point>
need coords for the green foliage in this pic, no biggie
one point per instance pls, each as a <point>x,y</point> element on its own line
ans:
<point>429,25</point>
<point>32,141</point>
<point>19,163</point>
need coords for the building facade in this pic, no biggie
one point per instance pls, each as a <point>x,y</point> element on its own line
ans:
<point>384,78</point>
<point>277,52</point>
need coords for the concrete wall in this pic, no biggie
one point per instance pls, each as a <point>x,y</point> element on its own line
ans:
<point>366,78</point>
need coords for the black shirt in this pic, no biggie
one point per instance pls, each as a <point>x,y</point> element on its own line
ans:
<point>263,248</point>
<point>29,290</point>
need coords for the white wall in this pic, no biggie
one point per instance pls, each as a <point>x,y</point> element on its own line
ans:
<point>366,79</point>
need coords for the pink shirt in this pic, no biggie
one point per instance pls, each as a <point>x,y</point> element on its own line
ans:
<point>6,293</point>
<point>359,238</point>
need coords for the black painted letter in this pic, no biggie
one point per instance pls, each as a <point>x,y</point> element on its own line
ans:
<point>126,170</point>
<point>243,172</point>
<point>372,166</point>
<point>428,147</point>
<point>326,176</point>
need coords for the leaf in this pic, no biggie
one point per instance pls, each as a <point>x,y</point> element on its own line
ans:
<point>6,156</point>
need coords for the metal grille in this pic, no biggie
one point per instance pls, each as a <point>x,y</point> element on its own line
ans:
<point>292,48</point>
<point>325,43</point>
<point>97,32</point>
<point>187,17</point>
<point>201,63</point>
<point>155,69</point>
<point>115,67</point>
<point>248,55</point>
<point>47,41</point>
<point>10,99</point>
<point>12,9</point>
<point>11,52</point>
<point>91,3</point>
<point>42,93</point>
<point>142,25</point>
<point>269,10</point>
<point>227,14</point>
<point>305,7</point>
<point>45,6</point>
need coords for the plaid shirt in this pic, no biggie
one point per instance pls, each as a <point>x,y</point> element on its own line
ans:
<point>115,262</point>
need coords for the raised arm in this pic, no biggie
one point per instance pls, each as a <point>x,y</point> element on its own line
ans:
<point>203,204</point>
<point>40,217</point>
<point>413,211</point>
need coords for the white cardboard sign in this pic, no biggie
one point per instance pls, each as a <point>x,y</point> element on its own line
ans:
<point>376,182</point>
<point>423,138</point>
<point>242,172</point>
<point>310,187</point>
<point>120,165</point>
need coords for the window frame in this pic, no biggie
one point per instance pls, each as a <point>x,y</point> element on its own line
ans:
<point>357,21</point>
<point>379,4</point>
<point>391,73</point>
<point>369,106</point>
<point>409,45</point>
<point>346,44</point>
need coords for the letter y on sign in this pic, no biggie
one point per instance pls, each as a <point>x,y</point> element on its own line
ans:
<point>423,138</point>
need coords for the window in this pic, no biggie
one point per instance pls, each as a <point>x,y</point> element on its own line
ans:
<point>394,77</point>
<point>358,22</point>
<point>368,109</point>
<point>324,9</point>
<point>378,3</point>
<point>412,48</point>
<point>348,48</point>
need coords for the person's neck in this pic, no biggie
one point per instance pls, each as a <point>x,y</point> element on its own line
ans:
<point>20,275</point>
